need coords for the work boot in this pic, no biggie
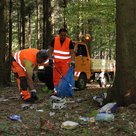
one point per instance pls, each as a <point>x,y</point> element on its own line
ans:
<point>54,92</point>
<point>34,95</point>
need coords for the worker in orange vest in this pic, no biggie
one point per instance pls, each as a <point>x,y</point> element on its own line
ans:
<point>61,55</point>
<point>23,64</point>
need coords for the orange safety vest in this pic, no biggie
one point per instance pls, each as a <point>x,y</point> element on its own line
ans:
<point>28,54</point>
<point>61,52</point>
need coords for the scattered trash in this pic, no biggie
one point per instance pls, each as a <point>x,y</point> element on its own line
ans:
<point>49,125</point>
<point>67,115</point>
<point>101,79</point>
<point>46,124</point>
<point>15,117</point>
<point>104,117</point>
<point>2,99</point>
<point>84,118</point>
<point>100,98</point>
<point>56,99</point>
<point>69,125</point>
<point>70,102</point>
<point>18,118</point>
<point>92,119</point>
<point>52,113</point>
<point>28,106</point>
<point>87,119</point>
<point>58,106</point>
<point>33,106</point>
<point>40,110</point>
<point>25,106</point>
<point>80,100</point>
<point>57,102</point>
<point>109,108</point>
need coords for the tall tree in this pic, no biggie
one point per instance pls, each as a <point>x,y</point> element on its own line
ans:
<point>47,28</point>
<point>19,35</point>
<point>38,24</point>
<point>10,42</point>
<point>29,10</point>
<point>2,42</point>
<point>124,87</point>
<point>23,22</point>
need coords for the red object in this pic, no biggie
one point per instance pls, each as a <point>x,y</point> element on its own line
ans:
<point>62,59</point>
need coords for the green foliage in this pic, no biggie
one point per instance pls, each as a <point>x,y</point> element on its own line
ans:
<point>46,90</point>
<point>86,132</point>
<point>93,113</point>
<point>94,17</point>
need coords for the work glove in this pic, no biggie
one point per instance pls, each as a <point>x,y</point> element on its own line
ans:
<point>34,94</point>
<point>73,64</point>
<point>51,62</point>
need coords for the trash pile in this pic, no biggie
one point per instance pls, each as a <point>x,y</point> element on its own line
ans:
<point>58,102</point>
<point>99,99</point>
<point>106,113</point>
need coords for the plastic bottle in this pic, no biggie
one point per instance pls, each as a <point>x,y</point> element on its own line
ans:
<point>84,118</point>
<point>104,117</point>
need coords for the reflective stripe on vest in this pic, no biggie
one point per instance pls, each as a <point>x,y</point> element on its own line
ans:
<point>61,54</point>
<point>76,74</point>
<point>17,58</point>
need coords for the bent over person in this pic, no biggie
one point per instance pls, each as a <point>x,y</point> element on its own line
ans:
<point>23,64</point>
<point>61,55</point>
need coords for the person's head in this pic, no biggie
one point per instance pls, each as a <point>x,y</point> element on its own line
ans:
<point>41,56</point>
<point>62,34</point>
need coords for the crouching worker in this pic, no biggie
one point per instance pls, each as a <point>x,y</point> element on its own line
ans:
<point>23,64</point>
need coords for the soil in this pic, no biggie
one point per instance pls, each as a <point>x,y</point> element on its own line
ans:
<point>40,119</point>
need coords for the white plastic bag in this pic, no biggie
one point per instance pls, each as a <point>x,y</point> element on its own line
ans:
<point>109,108</point>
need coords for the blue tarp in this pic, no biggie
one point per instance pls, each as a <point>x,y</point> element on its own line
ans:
<point>65,87</point>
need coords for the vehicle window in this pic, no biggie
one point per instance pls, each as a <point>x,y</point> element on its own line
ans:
<point>81,50</point>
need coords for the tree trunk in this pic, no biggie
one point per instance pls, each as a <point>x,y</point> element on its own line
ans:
<point>3,77</point>
<point>10,42</point>
<point>19,28</point>
<point>23,22</point>
<point>124,87</point>
<point>38,24</point>
<point>47,28</point>
<point>29,31</point>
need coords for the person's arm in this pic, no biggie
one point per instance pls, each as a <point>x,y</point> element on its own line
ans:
<point>51,47</point>
<point>29,73</point>
<point>50,52</point>
<point>72,53</point>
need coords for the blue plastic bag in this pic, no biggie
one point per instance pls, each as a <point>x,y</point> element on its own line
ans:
<point>65,87</point>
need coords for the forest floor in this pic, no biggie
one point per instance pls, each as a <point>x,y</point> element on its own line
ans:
<point>41,119</point>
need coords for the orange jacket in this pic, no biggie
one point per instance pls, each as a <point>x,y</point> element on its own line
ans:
<point>26,54</point>
<point>61,52</point>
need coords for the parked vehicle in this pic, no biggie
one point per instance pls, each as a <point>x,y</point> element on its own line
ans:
<point>86,68</point>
